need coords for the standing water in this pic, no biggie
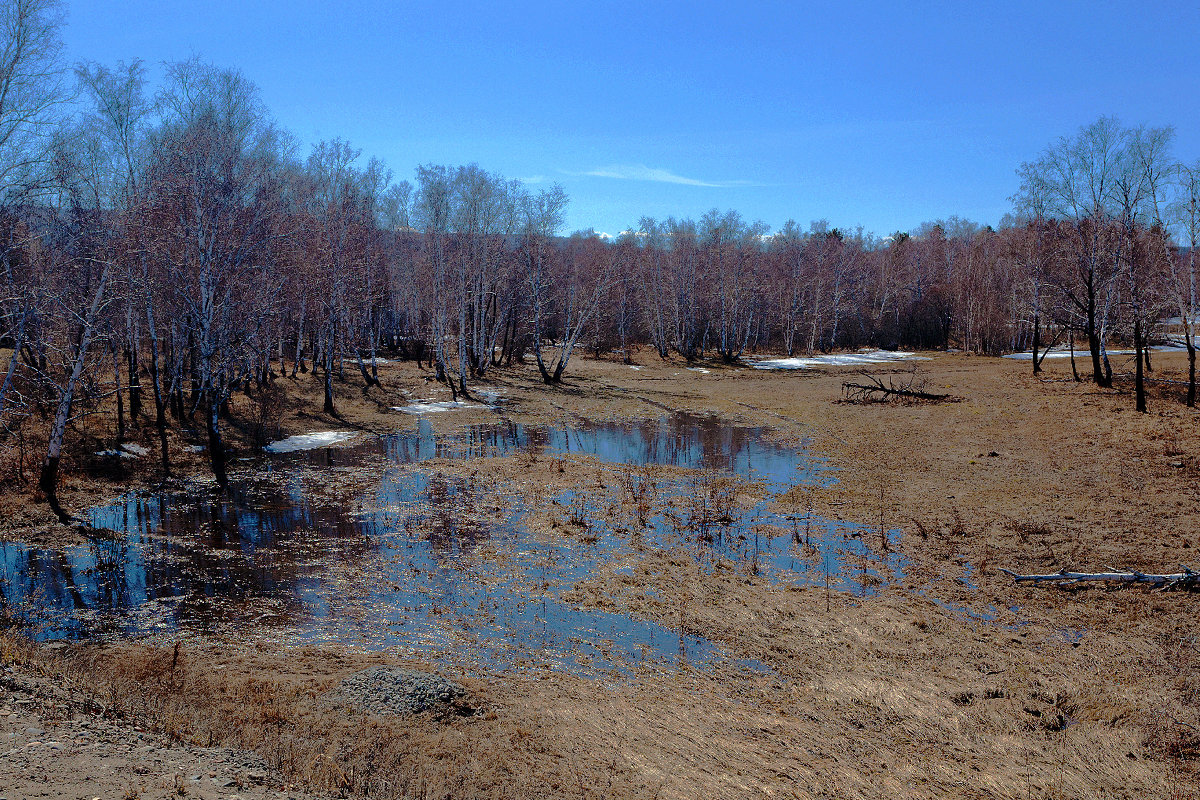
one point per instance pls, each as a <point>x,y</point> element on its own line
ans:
<point>361,545</point>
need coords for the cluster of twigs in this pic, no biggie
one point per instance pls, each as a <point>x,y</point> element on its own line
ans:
<point>874,390</point>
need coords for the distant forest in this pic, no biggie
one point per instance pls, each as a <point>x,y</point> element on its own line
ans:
<point>164,249</point>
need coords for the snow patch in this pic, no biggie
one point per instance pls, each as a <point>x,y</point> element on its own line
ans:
<point>633,367</point>
<point>430,407</point>
<point>839,360</point>
<point>1080,354</point>
<point>491,398</point>
<point>115,453</point>
<point>125,451</point>
<point>309,441</point>
<point>1083,354</point>
<point>698,369</point>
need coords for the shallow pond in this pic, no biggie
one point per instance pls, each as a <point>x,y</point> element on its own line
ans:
<point>361,545</point>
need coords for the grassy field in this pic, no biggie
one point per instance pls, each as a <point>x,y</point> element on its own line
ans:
<point>950,682</point>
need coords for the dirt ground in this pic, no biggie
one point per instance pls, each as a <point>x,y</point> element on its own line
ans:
<point>58,743</point>
<point>951,682</point>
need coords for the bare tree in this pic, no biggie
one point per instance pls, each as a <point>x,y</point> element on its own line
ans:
<point>1074,179</point>
<point>1138,184</point>
<point>120,117</point>
<point>31,96</point>
<point>31,93</point>
<point>343,211</point>
<point>484,217</point>
<point>434,208</point>
<point>1185,214</point>
<point>542,217</point>
<point>1033,251</point>
<point>216,183</point>
<point>655,286</point>
<point>730,248</point>
<point>687,305</point>
<point>75,279</point>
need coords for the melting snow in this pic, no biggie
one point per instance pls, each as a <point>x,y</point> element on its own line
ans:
<point>429,407</point>
<point>491,398</point>
<point>125,451</point>
<point>117,453</point>
<point>1080,354</point>
<point>309,441</point>
<point>839,360</point>
<point>1083,354</point>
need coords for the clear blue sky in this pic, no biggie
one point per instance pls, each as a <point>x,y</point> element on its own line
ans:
<point>878,114</point>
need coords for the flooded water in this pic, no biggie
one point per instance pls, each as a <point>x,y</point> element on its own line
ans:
<point>362,545</point>
<point>678,440</point>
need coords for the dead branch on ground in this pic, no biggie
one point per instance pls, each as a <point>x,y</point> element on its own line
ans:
<point>876,391</point>
<point>1186,580</point>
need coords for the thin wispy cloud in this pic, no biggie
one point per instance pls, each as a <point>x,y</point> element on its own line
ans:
<point>640,172</point>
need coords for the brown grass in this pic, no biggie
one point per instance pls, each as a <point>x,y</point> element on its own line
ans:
<point>1084,693</point>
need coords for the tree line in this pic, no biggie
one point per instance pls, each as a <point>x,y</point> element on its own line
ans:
<point>164,249</point>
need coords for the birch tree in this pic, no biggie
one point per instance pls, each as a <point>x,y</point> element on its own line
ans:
<point>215,190</point>
<point>1184,213</point>
<point>1074,179</point>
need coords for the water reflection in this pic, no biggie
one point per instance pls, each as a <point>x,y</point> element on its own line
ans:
<point>678,440</point>
<point>183,551</point>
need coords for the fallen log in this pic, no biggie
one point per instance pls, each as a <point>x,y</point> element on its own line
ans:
<point>1187,579</point>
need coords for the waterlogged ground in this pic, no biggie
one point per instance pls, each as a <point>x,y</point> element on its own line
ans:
<point>409,542</point>
<point>459,544</point>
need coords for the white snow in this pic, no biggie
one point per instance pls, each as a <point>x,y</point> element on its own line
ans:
<point>633,367</point>
<point>491,398</point>
<point>117,453</point>
<point>838,360</point>
<point>1080,354</point>
<point>125,451</point>
<point>698,369</point>
<point>1083,354</point>
<point>309,441</point>
<point>430,407</point>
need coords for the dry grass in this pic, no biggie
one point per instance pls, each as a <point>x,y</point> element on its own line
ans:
<point>209,695</point>
<point>1085,693</point>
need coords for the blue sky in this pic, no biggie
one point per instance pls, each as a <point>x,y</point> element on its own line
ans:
<point>875,114</point>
